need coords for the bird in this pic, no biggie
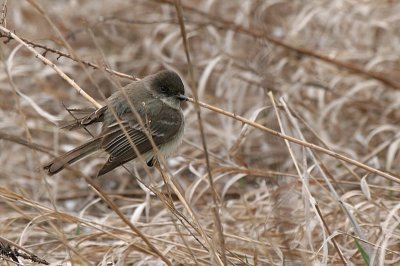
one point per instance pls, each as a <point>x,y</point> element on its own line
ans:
<point>147,107</point>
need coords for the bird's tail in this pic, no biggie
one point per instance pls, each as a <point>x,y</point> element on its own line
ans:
<point>72,156</point>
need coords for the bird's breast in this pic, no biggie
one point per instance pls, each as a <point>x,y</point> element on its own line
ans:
<point>170,146</point>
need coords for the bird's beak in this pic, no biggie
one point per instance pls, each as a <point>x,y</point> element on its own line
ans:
<point>181,97</point>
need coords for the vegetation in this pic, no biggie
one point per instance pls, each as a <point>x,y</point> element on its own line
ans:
<point>291,157</point>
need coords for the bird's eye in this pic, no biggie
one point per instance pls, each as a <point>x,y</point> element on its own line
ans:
<point>163,89</point>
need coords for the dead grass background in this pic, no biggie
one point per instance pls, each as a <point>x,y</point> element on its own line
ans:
<point>275,204</point>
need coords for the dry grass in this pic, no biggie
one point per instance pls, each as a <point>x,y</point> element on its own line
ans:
<point>322,72</point>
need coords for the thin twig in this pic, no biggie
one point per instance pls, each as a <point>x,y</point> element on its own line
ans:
<point>53,66</point>
<point>300,142</point>
<point>340,253</point>
<point>26,255</point>
<point>69,56</point>
<point>215,207</point>
<point>25,142</point>
<point>115,208</point>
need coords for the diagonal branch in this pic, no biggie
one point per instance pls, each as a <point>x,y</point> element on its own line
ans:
<point>338,156</point>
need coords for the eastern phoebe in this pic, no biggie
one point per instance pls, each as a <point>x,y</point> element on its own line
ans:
<point>156,99</point>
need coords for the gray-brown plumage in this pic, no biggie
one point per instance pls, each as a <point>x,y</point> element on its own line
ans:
<point>156,99</point>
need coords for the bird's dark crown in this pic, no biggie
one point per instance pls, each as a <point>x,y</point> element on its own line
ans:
<point>167,82</point>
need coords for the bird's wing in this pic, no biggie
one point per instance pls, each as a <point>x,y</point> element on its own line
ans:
<point>90,116</point>
<point>161,126</point>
